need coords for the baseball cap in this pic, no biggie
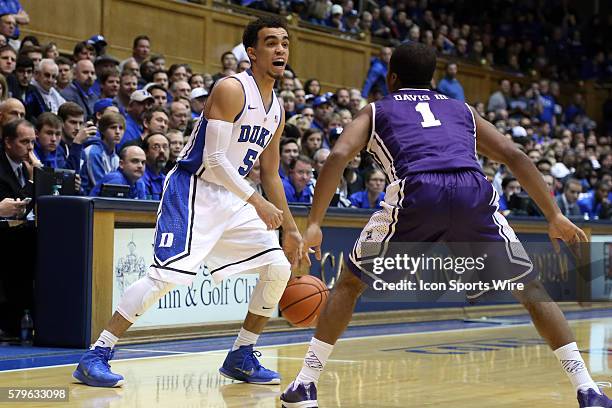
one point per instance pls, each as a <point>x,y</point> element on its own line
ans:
<point>559,170</point>
<point>320,100</point>
<point>336,9</point>
<point>140,96</point>
<point>519,131</point>
<point>334,133</point>
<point>97,39</point>
<point>352,13</point>
<point>106,58</point>
<point>102,104</point>
<point>198,93</point>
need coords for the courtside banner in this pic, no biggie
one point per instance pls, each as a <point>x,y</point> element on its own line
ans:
<point>201,302</point>
<point>479,271</point>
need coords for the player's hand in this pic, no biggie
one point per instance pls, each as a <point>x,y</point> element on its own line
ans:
<point>269,214</point>
<point>85,133</point>
<point>313,238</point>
<point>562,228</point>
<point>293,246</point>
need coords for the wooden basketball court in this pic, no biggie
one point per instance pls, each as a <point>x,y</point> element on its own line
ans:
<point>501,366</point>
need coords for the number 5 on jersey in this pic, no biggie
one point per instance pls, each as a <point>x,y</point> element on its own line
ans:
<point>249,161</point>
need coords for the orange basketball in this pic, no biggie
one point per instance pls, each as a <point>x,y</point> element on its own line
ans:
<point>303,300</point>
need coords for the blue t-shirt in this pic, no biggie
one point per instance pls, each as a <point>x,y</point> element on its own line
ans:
<point>305,196</point>
<point>360,199</point>
<point>154,184</point>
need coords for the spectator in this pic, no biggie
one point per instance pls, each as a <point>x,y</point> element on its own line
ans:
<point>179,116</point>
<point>319,158</point>
<point>499,100</point>
<point>352,180</point>
<point>141,48</point>
<point>547,102</point>
<point>298,187</point>
<point>3,89</point>
<point>289,151</point>
<point>254,177</point>
<point>377,73</point>
<point>8,26</point>
<point>43,97</point>
<point>140,102</point>
<point>373,193</point>
<point>48,136</point>
<point>595,203</point>
<point>14,8</point>
<point>196,81</point>
<point>311,142</point>
<point>312,87</point>
<point>176,141</point>
<point>105,63</point>
<point>568,200</point>
<point>322,112</point>
<point>79,91</point>
<point>109,83</point>
<point>127,86</point>
<point>335,18</point>
<point>130,65</point>
<point>99,43</point>
<point>16,160</point>
<point>11,109</point>
<point>161,79</point>
<point>159,61</point>
<point>99,154</point>
<point>159,94</point>
<point>83,51</point>
<point>156,149</point>
<point>19,81</point>
<point>8,58</point>
<point>198,101</point>
<point>449,85</point>
<point>101,107</point>
<point>180,89</point>
<point>32,52</point>
<point>131,169</point>
<point>178,72</point>
<point>64,78</point>
<point>75,133</point>
<point>228,62</point>
<point>154,120</point>
<point>510,186</point>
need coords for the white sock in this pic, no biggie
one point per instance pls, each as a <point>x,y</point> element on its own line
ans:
<point>244,338</point>
<point>314,361</point>
<point>575,368</point>
<point>106,339</point>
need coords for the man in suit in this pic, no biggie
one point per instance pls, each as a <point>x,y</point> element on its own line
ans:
<point>568,200</point>
<point>16,160</point>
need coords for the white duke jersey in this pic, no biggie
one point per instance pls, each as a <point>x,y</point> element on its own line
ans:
<point>253,130</point>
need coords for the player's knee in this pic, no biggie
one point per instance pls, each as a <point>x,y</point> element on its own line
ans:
<point>349,283</point>
<point>269,289</point>
<point>533,293</point>
<point>141,295</point>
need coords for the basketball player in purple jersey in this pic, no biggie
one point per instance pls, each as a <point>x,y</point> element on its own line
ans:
<point>426,144</point>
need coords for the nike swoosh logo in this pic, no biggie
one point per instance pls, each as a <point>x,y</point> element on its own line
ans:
<point>138,315</point>
<point>266,308</point>
<point>250,372</point>
<point>252,107</point>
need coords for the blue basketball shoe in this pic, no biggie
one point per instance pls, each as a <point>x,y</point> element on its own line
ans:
<point>591,399</point>
<point>298,395</point>
<point>242,365</point>
<point>94,370</point>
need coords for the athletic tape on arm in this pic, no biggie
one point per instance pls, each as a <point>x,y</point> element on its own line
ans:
<point>218,137</point>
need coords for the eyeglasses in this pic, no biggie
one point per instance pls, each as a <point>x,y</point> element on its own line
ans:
<point>158,146</point>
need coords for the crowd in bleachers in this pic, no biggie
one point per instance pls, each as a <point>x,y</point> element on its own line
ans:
<point>547,36</point>
<point>125,122</point>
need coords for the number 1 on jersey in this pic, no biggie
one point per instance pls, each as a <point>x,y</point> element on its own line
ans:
<point>429,120</point>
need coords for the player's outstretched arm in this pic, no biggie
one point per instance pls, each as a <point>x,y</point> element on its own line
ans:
<point>224,104</point>
<point>273,186</point>
<point>352,140</point>
<point>494,145</point>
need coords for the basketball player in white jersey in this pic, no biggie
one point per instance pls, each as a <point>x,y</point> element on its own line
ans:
<point>210,214</point>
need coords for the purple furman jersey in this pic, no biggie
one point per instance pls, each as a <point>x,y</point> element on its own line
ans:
<point>426,146</point>
<point>418,130</point>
